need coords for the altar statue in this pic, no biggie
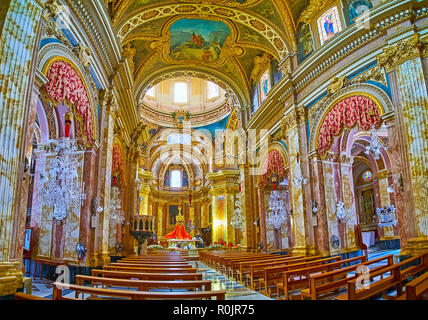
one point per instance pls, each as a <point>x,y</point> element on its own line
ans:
<point>179,232</point>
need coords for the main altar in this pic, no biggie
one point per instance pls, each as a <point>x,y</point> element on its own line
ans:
<point>179,238</point>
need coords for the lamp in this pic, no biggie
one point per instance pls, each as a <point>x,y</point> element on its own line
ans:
<point>375,146</point>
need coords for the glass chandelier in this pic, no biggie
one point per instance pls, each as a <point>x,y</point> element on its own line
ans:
<point>61,185</point>
<point>277,212</point>
<point>236,220</point>
<point>375,146</point>
<point>116,212</point>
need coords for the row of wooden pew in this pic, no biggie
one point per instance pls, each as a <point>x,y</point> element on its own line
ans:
<point>313,277</point>
<point>142,274</point>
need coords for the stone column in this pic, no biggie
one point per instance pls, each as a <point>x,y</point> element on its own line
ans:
<point>160,231</point>
<point>331,199</point>
<point>144,191</point>
<point>89,168</point>
<point>348,198</point>
<point>403,62</point>
<point>291,132</point>
<point>18,41</point>
<point>317,177</point>
<point>109,108</point>
<point>192,217</point>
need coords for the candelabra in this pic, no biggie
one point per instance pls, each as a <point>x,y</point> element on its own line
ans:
<point>116,212</point>
<point>386,216</point>
<point>277,211</point>
<point>61,185</point>
<point>375,146</point>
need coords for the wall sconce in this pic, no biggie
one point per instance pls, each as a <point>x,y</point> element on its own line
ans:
<point>314,207</point>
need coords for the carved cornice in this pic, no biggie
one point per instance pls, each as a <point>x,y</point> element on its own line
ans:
<point>402,51</point>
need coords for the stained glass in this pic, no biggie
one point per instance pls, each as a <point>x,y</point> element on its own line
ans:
<point>265,84</point>
<point>329,24</point>
<point>367,175</point>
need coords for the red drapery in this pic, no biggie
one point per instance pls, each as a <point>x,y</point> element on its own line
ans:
<point>179,233</point>
<point>353,110</point>
<point>117,163</point>
<point>273,164</point>
<point>65,83</point>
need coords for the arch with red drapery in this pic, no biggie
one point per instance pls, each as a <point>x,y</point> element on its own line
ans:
<point>274,163</point>
<point>65,84</point>
<point>350,111</point>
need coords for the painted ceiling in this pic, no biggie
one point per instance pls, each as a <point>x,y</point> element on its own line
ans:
<point>219,38</point>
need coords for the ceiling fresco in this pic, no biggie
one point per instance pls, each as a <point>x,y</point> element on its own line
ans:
<point>220,38</point>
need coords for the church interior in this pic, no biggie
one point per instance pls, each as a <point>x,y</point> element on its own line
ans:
<point>213,149</point>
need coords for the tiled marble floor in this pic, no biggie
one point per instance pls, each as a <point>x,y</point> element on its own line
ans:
<point>234,290</point>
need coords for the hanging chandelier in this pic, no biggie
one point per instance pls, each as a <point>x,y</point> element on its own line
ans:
<point>236,220</point>
<point>116,212</point>
<point>375,146</point>
<point>61,186</point>
<point>299,179</point>
<point>277,212</point>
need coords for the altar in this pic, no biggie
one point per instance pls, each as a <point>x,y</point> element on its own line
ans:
<point>179,238</point>
<point>189,244</point>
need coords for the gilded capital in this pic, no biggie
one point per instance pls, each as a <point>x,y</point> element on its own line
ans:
<point>402,51</point>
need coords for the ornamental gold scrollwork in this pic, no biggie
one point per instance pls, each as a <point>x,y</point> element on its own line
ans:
<point>401,52</point>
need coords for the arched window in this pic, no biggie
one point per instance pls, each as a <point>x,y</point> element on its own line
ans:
<point>213,90</point>
<point>329,24</point>
<point>180,92</point>
<point>151,92</point>
<point>175,179</point>
<point>265,84</point>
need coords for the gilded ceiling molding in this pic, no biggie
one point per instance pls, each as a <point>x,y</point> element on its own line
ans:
<point>262,26</point>
<point>216,76</point>
<point>402,51</point>
<point>312,10</point>
<point>260,65</point>
<point>287,18</point>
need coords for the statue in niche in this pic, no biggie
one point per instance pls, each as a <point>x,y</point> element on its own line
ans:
<point>166,178</point>
<point>185,179</point>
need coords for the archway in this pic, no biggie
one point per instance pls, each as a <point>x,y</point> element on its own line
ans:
<point>273,185</point>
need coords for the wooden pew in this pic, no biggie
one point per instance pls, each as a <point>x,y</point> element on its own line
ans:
<point>416,289</point>
<point>388,278</point>
<point>148,265</point>
<point>26,296</point>
<point>224,262</point>
<point>257,269</point>
<point>133,295</point>
<point>273,274</point>
<point>334,280</point>
<point>299,277</point>
<point>233,264</point>
<point>244,267</point>
<point>151,270</point>
<point>155,258</point>
<point>153,262</point>
<point>146,276</point>
<point>144,285</point>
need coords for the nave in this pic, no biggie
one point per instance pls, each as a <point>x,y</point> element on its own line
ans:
<point>217,278</point>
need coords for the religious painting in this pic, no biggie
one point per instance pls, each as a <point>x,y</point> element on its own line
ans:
<point>357,8</point>
<point>329,24</point>
<point>173,212</point>
<point>305,44</point>
<point>367,207</point>
<point>197,39</point>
